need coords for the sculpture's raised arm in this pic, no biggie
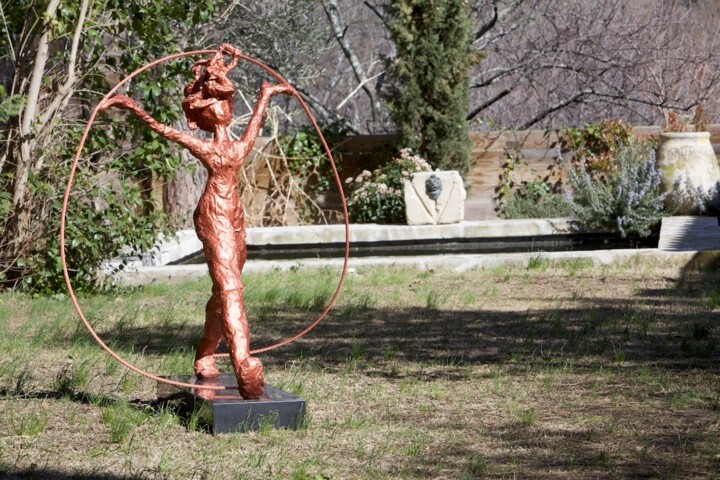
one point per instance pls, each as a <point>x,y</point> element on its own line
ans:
<point>123,102</point>
<point>252,130</point>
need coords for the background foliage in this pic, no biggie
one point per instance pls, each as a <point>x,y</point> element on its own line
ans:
<point>60,57</point>
<point>378,196</point>
<point>545,63</point>
<point>428,94</point>
<point>626,198</point>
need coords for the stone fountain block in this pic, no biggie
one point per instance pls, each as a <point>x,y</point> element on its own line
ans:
<point>445,205</point>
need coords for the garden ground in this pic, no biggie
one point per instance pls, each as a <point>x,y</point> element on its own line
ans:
<point>551,370</point>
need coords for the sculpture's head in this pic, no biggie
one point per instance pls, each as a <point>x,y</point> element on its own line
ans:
<point>208,98</point>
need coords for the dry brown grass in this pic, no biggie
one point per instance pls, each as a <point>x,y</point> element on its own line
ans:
<point>552,371</point>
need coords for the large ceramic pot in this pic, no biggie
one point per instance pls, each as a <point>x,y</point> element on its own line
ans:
<point>689,167</point>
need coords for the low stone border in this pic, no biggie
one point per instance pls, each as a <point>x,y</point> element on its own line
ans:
<point>186,243</point>
<point>154,266</point>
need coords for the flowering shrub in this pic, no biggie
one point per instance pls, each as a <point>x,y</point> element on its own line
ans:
<point>627,198</point>
<point>693,197</point>
<point>377,197</point>
<point>596,144</point>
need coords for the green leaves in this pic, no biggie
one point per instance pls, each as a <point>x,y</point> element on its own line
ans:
<point>9,106</point>
<point>112,209</point>
<point>308,160</point>
<point>377,197</point>
<point>429,77</point>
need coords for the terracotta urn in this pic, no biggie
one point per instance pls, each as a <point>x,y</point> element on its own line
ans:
<point>689,170</point>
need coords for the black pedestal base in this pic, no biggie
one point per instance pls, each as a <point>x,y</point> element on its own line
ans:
<point>225,411</point>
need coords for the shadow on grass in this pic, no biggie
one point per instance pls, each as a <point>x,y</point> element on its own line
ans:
<point>49,474</point>
<point>673,328</point>
<point>590,335</point>
<point>549,453</point>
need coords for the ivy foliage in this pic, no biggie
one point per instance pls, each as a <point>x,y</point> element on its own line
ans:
<point>428,96</point>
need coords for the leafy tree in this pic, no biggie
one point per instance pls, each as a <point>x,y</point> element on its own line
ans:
<point>59,57</point>
<point>428,97</point>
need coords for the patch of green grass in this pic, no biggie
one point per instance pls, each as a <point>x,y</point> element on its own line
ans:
<point>574,265</point>
<point>711,296</point>
<point>30,424</point>
<point>538,263</point>
<point>501,271</point>
<point>390,276</point>
<point>618,355</point>
<point>477,465</point>
<point>122,419</point>
<point>416,444</point>
<point>526,417</point>
<point>294,289</point>
<point>701,343</point>
<point>433,299</point>
<point>72,377</point>
<point>179,361</point>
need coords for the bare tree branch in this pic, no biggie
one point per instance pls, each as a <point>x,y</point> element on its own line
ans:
<point>65,90</point>
<point>553,108</point>
<point>339,28</point>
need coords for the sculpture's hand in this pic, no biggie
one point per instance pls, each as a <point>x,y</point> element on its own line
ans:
<point>122,102</point>
<point>228,49</point>
<point>273,89</point>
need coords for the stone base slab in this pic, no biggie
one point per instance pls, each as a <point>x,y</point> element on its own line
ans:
<point>225,411</point>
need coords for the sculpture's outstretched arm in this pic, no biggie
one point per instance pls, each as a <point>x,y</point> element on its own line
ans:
<point>255,124</point>
<point>196,146</point>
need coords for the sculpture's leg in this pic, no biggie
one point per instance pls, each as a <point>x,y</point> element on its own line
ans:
<point>204,359</point>
<point>248,370</point>
<point>225,252</point>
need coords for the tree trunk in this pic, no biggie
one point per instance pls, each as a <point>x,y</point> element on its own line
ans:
<point>183,191</point>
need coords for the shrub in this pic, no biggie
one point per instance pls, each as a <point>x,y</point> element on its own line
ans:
<point>535,203</point>
<point>706,202</point>
<point>597,144</point>
<point>377,197</point>
<point>626,198</point>
<point>539,198</point>
<point>307,159</point>
<point>428,82</point>
<point>103,222</point>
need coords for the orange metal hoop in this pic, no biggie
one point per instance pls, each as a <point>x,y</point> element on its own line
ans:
<point>66,198</point>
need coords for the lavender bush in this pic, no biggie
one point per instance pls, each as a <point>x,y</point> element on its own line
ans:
<point>626,198</point>
<point>377,197</point>
<point>705,202</point>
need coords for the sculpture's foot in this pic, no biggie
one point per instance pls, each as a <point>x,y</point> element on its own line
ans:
<point>205,367</point>
<point>250,377</point>
<point>208,394</point>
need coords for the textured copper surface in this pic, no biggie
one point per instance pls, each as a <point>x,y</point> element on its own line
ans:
<point>219,219</point>
<point>193,89</point>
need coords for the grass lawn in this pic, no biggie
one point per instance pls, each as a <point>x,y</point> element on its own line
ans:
<point>561,370</point>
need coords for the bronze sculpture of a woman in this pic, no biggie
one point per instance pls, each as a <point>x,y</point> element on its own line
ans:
<point>219,218</point>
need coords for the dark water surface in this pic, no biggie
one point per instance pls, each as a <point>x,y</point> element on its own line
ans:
<point>544,243</point>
